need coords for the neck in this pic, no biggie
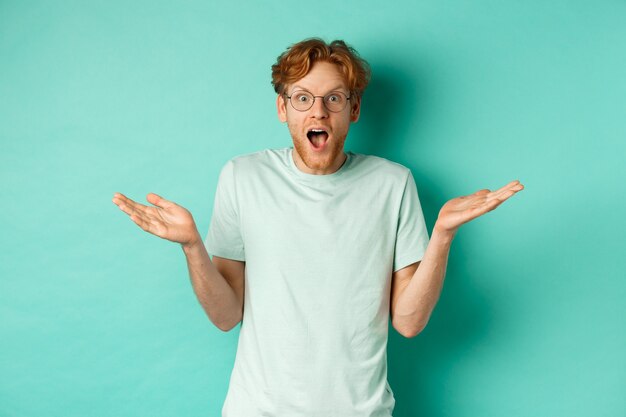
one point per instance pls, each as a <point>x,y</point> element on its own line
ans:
<point>299,162</point>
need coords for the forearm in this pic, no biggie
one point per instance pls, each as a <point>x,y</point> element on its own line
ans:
<point>418,299</point>
<point>216,296</point>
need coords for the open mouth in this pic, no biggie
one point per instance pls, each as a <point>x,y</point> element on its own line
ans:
<point>317,137</point>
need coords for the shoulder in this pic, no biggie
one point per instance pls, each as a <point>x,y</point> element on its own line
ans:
<point>381,168</point>
<point>256,165</point>
<point>254,161</point>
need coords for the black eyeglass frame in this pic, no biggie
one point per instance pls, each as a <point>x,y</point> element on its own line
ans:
<point>323,101</point>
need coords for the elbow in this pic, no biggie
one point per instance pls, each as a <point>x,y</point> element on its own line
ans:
<point>410,331</point>
<point>226,327</point>
<point>409,334</point>
<point>226,322</point>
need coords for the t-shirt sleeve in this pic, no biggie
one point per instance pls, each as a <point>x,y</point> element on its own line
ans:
<point>224,238</point>
<point>411,235</point>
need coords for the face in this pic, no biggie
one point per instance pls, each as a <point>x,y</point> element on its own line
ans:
<point>320,153</point>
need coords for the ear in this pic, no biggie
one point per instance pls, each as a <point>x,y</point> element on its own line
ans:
<point>281,108</point>
<point>355,109</point>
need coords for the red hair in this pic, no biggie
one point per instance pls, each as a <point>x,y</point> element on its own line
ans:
<point>298,59</point>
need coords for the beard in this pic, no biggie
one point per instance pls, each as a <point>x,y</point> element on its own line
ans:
<point>320,161</point>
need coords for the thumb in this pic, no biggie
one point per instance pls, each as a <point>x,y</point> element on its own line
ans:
<point>158,201</point>
<point>482,192</point>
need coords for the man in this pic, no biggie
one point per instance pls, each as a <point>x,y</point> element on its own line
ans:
<point>314,249</point>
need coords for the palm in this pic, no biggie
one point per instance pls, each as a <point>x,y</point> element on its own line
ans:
<point>167,220</point>
<point>461,210</point>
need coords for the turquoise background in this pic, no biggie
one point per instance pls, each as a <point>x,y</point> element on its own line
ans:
<point>98,318</point>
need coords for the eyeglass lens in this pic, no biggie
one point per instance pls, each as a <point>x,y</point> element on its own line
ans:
<point>303,100</point>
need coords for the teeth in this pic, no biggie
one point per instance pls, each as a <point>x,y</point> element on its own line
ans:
<point>316,130</point>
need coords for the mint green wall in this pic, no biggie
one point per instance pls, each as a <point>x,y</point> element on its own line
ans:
<point>98,318</point>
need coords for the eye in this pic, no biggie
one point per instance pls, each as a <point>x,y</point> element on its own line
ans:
<point>301,97</point>
<point>335,99</point>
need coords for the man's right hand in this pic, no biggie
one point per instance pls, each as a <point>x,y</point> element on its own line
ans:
<point>167,220</point>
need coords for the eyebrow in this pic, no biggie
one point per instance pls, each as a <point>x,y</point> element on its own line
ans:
<point>337,88</point>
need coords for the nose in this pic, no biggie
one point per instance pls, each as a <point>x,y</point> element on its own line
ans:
<point>319,110</point>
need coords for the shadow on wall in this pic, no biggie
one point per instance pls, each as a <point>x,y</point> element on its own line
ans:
<point>418,367</point>
<point>388,102</point>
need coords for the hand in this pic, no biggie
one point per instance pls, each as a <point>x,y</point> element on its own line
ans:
<point>167,220</point>
<point>461,210</point>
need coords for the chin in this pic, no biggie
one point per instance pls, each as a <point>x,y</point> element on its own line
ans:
<point>317,163</point>
<point>315,160</point>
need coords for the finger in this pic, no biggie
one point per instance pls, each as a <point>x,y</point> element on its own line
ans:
<point>149,220</point>
<point>142,222</point>
<point>488,204</point>
<point>506,187</point>
<point>496,201</point>
<point>482,192</point>
<point>507,195</point>
<point>491,194</point>
<point>514,187</point>
<point>493,204</point>
<point>158,201</point>
<point>135,206</point>
<point>480,209</point>
<point>120,198</point>
<point>130,207</point>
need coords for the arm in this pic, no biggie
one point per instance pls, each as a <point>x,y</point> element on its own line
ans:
<point>218,286</point>
<point>416,288</point>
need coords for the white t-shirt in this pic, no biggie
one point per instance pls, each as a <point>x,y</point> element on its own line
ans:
<point>319,253</point>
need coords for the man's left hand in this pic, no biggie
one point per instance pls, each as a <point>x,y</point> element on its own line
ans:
<point>461,210</point>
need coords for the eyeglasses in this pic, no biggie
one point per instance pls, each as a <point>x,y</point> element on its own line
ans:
<point>303,100</point>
